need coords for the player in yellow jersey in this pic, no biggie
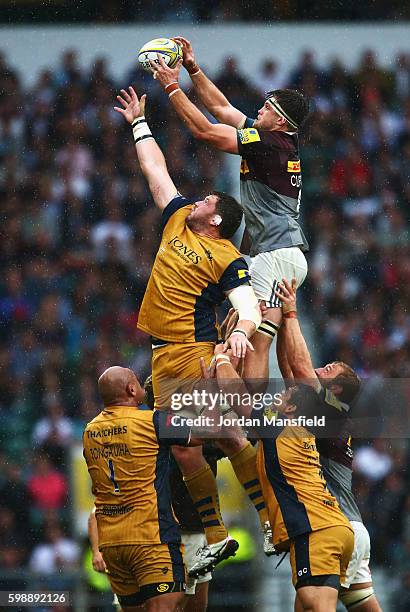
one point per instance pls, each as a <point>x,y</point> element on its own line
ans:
<point>333,386</point>
<point>305,517</point>
<point>196,267</point>
<point>128,461</point>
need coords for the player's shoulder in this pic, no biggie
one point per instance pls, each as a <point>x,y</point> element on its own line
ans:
<point>263,140</point>
<point>330,399</point>
<point>97,419</point>
<point>227,250</point>
<point>249,135</point>
<point>177,209</point>
<point>279,139</point>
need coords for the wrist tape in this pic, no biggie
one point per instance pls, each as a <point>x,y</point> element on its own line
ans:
<point>140,129</point>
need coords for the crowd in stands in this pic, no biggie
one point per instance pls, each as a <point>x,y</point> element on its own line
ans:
<point>80,234</point>
<point>197,11</point>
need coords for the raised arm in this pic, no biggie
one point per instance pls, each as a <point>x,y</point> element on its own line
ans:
<point>211,97</point>
<point>150,156</point>
<point>220,136</point>
<point>297,352</point>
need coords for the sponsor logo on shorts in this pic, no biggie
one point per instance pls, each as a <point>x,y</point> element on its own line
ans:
<point>294,166</point>
<point>163,587</point>
<point>303,571</point>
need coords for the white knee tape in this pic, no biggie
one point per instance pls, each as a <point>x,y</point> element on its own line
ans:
<point>351,599</point>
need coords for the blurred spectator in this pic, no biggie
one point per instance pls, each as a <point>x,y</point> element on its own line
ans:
<point>53,433</point>
<point>268,78</point>
<point>55,553</point>
<point>13,542</point>
<point>47,486</point>
<point>373,461</point>
<point>402,76</point>
<point>307,71</point>
<point>112,238</point>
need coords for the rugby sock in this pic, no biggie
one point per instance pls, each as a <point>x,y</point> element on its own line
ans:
<point>244,464</point>
<point>204,493</point>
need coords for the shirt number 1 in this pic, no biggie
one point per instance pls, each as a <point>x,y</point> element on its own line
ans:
<point>112,476</point>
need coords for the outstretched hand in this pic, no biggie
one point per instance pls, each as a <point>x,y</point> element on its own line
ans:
<point>132,106</point>
<point>163,73</point>
<point>287,295</point>
<point>188,60</point>
<point>239,344</point>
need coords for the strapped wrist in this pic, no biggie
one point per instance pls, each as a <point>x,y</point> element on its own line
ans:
<point>140,129</point>
<point>193,70</point>
<point>237,330</point>
<point>223,359</point>
<point>174,91</point>
<point>292,314</point>
<point>171,87</point>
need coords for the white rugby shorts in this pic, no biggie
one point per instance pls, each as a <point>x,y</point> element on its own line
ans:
<point>358,570</point>
<point>193,543</point>
<point>268,269</point>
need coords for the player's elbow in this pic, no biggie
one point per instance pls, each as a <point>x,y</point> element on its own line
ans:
<point>148,166</point>
<point>200,132</point>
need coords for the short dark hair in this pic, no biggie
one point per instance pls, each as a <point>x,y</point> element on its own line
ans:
<point>348,380</point>
<point>294,103</point>
<point>304,397</point>
<point>230,211</point>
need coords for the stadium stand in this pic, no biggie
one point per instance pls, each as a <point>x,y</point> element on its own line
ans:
<point>79,238</point>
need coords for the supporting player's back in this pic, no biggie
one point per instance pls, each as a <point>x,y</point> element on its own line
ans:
<point>128,465</point>
<point>293,486</point>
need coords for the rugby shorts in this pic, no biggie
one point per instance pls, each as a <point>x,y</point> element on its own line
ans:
<point>321,558</point>
<point>268,269</point>
<point>358,570</point>
<point>193,544</point>
<point>138,572</point>
<point>176,369</point>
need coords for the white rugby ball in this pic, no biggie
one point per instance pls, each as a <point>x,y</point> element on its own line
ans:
<point>167,48</point>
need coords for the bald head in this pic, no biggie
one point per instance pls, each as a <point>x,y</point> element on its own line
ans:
<point>120,387</point>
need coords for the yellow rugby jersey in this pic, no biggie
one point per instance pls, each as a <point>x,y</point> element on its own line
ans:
<point>293,485</point>
<point>188,280</point>
<point>128,461</point>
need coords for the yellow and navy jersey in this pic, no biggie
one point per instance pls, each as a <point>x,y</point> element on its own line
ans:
<point>293,485</point>
<point>190,277</point>
<point>128,456</point>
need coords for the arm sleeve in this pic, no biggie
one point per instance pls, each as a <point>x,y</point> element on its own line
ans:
<point>169,434</point>
<point>250,143</point>
<point>174,205</point>
<point>236,274</point>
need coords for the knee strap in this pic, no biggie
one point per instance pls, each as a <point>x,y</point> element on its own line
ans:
<point>351,599</point>
<point>268,328</point>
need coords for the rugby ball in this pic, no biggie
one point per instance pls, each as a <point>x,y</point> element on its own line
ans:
<point>167,48</point>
